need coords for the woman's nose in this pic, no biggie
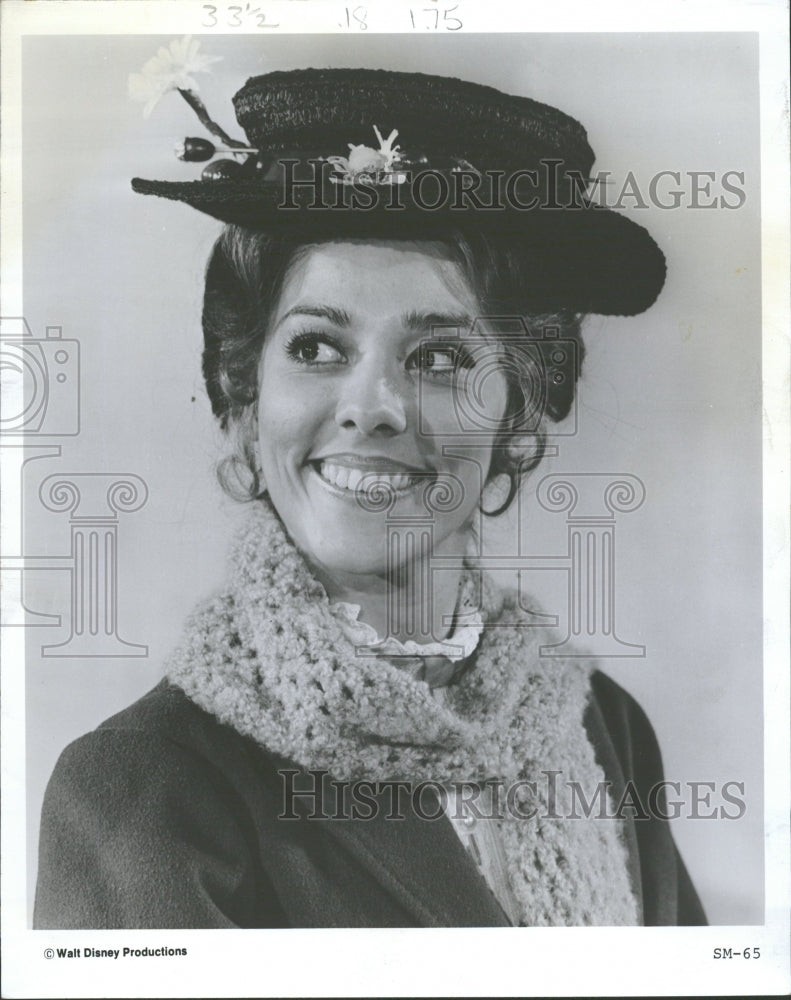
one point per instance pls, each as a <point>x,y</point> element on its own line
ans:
<point>373,404</point>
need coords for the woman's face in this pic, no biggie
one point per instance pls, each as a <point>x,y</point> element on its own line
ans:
<point>358,391</point>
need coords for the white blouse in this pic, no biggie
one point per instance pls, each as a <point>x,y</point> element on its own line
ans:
<point>436,662</point>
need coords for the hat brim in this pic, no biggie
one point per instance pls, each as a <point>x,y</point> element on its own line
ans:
<point>586,259</point>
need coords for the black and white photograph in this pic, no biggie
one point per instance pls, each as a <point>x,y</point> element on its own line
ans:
<point>394,554</point>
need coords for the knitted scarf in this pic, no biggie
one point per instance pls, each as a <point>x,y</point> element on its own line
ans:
<point>267,657</point>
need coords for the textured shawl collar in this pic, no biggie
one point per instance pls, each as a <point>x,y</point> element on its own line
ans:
<point>268,657</point>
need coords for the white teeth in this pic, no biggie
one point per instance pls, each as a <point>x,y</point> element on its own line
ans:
<point>331,473</point>
<point>355,475</point>
<point>346,478</point>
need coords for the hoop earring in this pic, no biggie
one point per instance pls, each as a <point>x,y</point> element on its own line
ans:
<point>512,488</point>
<point>258,488</point>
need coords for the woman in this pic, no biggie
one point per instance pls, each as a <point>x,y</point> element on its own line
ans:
<point>359,729</point>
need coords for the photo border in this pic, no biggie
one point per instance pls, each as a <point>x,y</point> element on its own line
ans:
<point>648,961</point>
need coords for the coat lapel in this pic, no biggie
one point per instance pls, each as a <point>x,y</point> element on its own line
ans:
<point>424,865</point>
<point>419,862</point>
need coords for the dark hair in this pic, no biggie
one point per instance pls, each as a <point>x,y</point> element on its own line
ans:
<point>245,276</point>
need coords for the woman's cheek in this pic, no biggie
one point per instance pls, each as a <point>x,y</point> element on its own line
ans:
<point>482,401</point>
<point>454,452</point>
<point>438,414</point>
<point>292,410</point>
<point>469,411</point>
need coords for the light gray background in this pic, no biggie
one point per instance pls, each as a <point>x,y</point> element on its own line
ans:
<point>672,396</point>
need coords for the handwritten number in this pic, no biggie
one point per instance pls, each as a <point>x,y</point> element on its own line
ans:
<point>445,17</point>
<point>434,11</point>
<point>261,18</point>
<point>359,14</point>
<point>235,16</point>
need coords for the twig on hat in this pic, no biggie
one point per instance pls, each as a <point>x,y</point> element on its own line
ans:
<point>208,123</point>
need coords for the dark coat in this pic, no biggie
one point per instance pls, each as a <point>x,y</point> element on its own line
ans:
<point>163,817</point>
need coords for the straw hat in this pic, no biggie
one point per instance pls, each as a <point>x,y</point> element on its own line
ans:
<point>376,152</point>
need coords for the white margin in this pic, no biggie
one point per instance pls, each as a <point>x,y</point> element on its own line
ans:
<point>509,962</point>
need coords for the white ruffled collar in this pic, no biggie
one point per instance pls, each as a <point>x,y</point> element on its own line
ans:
<point>461,643</point>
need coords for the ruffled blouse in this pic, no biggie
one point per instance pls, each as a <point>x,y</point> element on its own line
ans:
<point>437,663</point>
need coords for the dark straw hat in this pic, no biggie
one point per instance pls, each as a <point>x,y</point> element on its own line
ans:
<point>372,152</point>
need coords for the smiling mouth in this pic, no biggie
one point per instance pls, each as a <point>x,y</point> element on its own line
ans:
<point>354,479</point>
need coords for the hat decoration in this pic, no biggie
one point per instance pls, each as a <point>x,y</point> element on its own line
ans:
<point>363,161</point>
<point>473,160</point>
<point>173,68</point>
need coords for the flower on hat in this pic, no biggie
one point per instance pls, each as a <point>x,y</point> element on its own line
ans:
<point>170,69</point>
<point>365,160</point>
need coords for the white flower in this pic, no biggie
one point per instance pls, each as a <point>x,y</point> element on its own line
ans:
<point>169,69</point>
<point>364,160</point>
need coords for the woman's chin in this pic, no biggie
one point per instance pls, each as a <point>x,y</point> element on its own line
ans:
<point>344,550</point>
<point>347,571</point>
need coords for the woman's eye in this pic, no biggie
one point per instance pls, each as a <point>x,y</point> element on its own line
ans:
<point>440,360</point>
<point>313,349</point>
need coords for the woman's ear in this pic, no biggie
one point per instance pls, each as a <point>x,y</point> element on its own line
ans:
<point>241,471</point>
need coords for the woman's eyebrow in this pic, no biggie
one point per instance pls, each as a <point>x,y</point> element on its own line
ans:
<point>414,321</point>
<point>420,322</point>
<point>337,316</point>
